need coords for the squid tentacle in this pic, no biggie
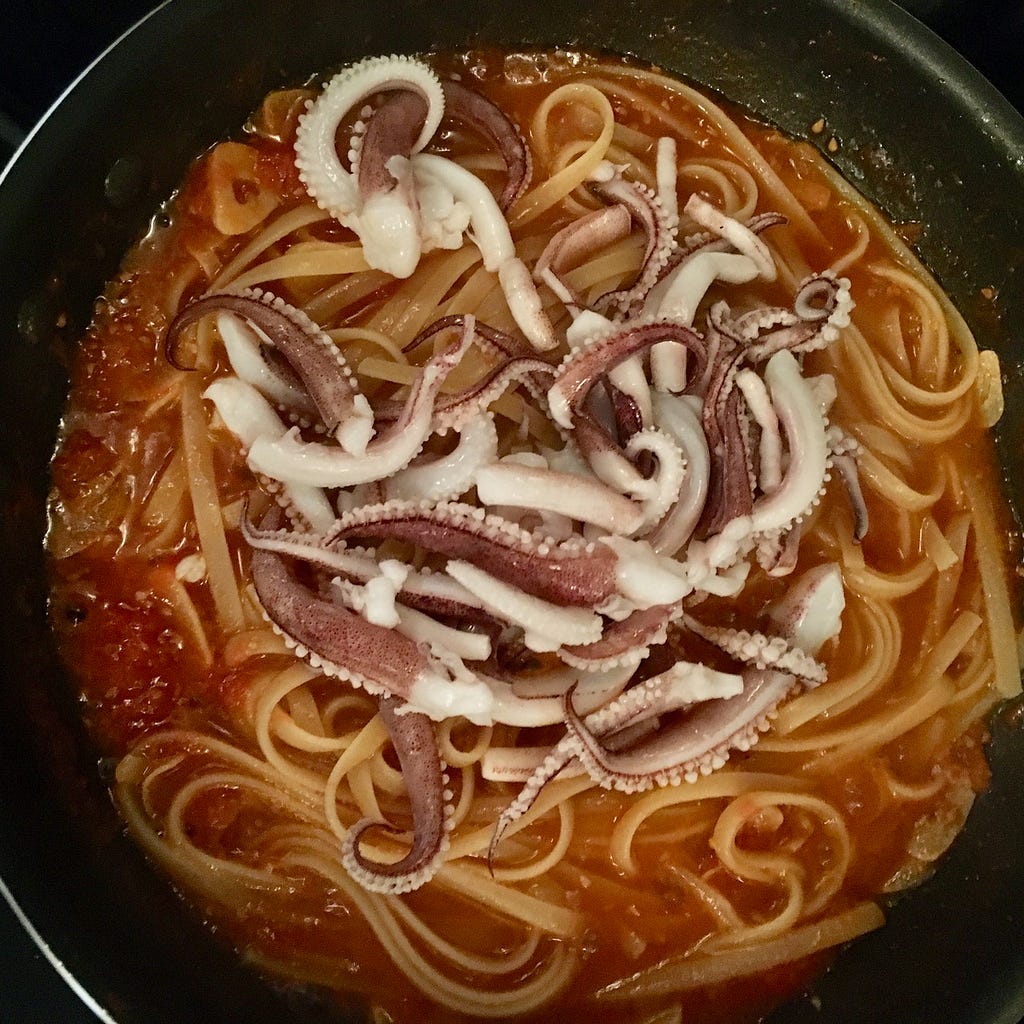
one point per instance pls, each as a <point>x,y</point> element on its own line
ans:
<point>412,735</point>
<point>324,372</point>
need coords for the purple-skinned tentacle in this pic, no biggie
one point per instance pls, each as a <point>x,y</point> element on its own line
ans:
<point>571,573</point>
<point>391,131</point>
<point>479,113</point>
<point>412,735</point>
<point>312,354</point>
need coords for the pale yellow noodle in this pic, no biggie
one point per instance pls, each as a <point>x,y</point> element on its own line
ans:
<point>152,778</point>
<point>543,196</point>
<point>477,841</point>
<point>975,700</point>
<point>302,710</point>
<point>251,643</point>
<point>885,444</point>
<point>386,370</point>
<point>696,825</point>
<point>386,779</point>
<point>344,334</point>
<point>171,300</point>
<point>459,757</point>
<point>771,186</point>
<point>862,366</point>
<point>904,255</point>
<point>712,787</point>
<point>947,582</point>
<point>543,864</point>
<point>713,901</point>
<point>219,880</point>
<point>185,612</point>
<point>360,783</point>
<point>284,727</point>
<point>853,254</point>
<point>347,701</point>
<point>363,746</point>
<point>505,964</point>
<point>988,551</point>
<point>938,549</point>
<point>910,791</point>
<point>177,833</point>
<point>272,233</point>
<point>698,971</point>
<point>767,867</point>
<point>476,883</point>
<point>167,499</point>
<point>332,301</point>
<point>877,633</point>
<point>957,636</point>
<point>467,794</point>
<point>888,586</point>
<point>266,700</point>
<point>747,193</point>
<point>612,268</point>
<point>442,988</point>
<point>955,482</point>
<point>642,145</point>
<point>206,507</point>
<point>409,311</point>
<point>933,350</point>
<point>873,732</point>
<point>625,156</point>
<point>708,179</point>
<point>468,298</point>
<point>207,258</point>
<point>886,333</point>
<point>306,259</point>
<point>886,484</point>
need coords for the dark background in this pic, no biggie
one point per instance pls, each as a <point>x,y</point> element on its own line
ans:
<point>44,44</point>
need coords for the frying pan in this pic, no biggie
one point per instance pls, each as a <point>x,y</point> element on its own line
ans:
<point>918,131</point>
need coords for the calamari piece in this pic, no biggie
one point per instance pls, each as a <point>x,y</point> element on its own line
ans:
<point>322,368</point>
<point>412,735</point>
<point>343,644</point>
<point>805,430</point>
<point>479,113</point>
<point>449,476</point>
<point>292,460</point>
<point>546,625</point>
<point>248,415</point>
<point>581,498</point>
<point>383,212</point>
